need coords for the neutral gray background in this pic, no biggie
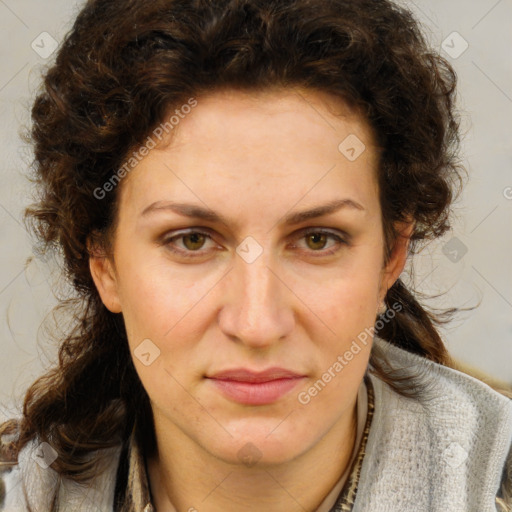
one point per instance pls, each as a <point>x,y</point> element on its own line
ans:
<point>483,224</point>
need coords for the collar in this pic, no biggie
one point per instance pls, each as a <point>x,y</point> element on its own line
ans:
<point>445,449</point>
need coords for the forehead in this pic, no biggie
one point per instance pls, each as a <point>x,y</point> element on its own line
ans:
<point>219,115</point>
<point>284,144</point>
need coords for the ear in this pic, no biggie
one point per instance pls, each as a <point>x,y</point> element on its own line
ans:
<point>398,257</point>
<point>104,276</point>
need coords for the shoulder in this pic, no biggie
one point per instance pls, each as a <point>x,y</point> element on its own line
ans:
<point>31,481</point>
<point>504,496</point>
<point>446,449</point>
<point>452,403</point>
<point>10,488</point>
<point>447,391</point>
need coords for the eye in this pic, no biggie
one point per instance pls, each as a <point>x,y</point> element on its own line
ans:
<point>193,241</point>
<point>316,239</point>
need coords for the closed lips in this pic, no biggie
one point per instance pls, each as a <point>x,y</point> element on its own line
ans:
<point>249,376</point>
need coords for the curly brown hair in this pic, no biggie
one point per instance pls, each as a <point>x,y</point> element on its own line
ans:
<point>121,68</point>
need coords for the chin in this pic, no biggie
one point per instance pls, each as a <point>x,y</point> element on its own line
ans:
<point>258,449</point>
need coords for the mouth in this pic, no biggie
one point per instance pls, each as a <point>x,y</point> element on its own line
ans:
<point>255,388</point>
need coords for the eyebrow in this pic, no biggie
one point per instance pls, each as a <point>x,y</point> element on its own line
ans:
<point>198,212</point>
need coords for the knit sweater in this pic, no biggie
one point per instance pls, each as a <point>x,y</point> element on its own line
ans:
<point>448,450</point>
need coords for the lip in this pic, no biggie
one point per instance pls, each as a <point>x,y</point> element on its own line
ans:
<point>255,388</point>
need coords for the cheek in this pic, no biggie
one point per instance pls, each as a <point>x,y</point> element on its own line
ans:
<point>156,296</point>
<point>349,300</point>
<point>145,304</point>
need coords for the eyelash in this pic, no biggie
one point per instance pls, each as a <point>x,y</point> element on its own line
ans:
<point>167,241</point>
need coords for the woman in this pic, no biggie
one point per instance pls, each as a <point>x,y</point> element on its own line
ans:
<point>235,187</point>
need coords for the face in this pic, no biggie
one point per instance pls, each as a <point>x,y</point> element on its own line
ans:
<point>254,285</point>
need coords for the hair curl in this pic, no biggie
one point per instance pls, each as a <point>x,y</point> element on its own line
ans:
<point>120,69</point>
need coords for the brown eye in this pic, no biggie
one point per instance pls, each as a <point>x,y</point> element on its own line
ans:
<point>318,240</point>
<point>190,246</point>
<point>193,241</point>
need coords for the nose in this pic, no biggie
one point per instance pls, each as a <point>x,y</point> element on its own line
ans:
<point>258,304</point>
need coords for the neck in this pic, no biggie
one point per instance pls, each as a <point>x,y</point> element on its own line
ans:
<point>184,474</point>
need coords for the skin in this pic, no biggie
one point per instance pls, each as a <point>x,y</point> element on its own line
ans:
<point>253,158</point>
